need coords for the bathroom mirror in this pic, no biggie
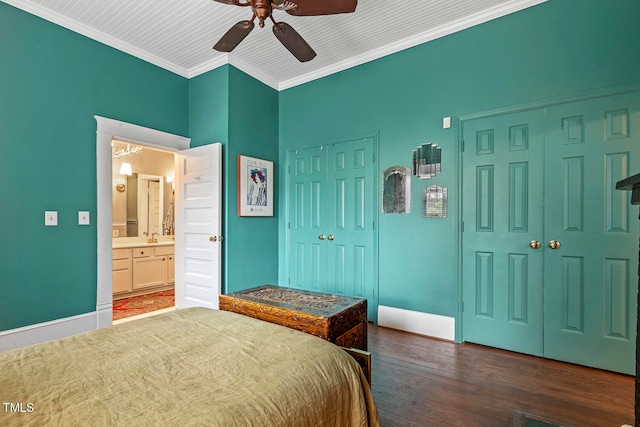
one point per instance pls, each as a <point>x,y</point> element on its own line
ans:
<point>150,201</point>
<point>142,201</point>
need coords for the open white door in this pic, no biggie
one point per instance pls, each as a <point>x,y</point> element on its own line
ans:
<point>198,226</point>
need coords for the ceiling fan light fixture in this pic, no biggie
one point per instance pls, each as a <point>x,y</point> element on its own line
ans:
<point>262,9</point>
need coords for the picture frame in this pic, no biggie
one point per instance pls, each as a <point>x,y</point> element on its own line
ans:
<point>255,186</point>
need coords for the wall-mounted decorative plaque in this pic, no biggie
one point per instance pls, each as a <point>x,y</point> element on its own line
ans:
<point>434,202</point>
<point>396,190</point>
<point>426,160</point>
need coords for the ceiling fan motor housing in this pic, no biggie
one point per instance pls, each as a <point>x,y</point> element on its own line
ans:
<point>262,10</point>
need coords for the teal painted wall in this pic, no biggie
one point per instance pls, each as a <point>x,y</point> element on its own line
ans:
<point>52,83</point>
<point>228,106</point>
<point>558,48</point>
<point>252,243</point>
<point>209,107</point>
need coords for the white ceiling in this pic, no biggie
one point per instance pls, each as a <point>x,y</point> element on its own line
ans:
<point>178,35</point>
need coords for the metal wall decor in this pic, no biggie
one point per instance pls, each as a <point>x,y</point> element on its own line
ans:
<point>396,190</point>
<point>426,160</point>
<point>434,202</point>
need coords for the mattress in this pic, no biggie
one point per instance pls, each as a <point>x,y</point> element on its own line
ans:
<point>187,367</point>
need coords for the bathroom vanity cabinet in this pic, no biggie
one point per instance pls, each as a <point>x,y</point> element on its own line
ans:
<point>142,269</point>
<point>121,267</point>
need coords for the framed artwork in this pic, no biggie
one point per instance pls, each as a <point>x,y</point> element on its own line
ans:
<point>255,186</point>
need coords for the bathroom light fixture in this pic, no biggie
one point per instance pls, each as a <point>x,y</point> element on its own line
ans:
<point>125,169</point>
<point>117,153</point>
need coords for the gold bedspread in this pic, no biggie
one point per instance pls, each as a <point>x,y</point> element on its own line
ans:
<point>186,367</point>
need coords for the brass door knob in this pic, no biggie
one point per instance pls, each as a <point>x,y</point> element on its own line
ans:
<point>554,244</point>
<point>330,237</point>
<point>321,237</point>
<point>534,244</point>
<point>213,238</point>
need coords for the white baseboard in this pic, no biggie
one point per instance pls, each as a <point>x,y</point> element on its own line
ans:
<point>41,332</point>
<point>432,325</point>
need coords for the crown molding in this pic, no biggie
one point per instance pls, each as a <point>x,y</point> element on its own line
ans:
<point>207,66</point>
<point>444,30</point>
<point>243,66</point>
<point>459,25</point>
<point>254,72</point>
<point>99,36</point>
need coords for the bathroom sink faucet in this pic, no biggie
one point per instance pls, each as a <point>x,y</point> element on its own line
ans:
<point>153,238</point>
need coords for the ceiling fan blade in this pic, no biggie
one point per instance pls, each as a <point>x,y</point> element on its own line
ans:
<point>234,2</point>
<point>293,41</point>
<point>234,36</point>
<point>326,7</point>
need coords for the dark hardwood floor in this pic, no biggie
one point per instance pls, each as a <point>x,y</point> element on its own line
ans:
<point>419,381</point>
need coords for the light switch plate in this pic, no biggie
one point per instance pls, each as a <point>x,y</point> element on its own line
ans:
<point>446,122</point>
<point>51,218</point>
<point>83,218</point>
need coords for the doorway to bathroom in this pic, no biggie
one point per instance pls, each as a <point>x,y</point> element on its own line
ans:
<point>143,240</point>
<point>198,214</point>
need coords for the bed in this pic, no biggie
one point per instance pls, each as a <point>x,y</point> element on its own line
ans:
<point>187,367</point>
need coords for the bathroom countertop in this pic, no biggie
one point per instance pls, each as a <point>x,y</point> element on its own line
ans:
<point>137,244</point>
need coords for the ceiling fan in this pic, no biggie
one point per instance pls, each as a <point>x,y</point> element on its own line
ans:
<point>262,9</point>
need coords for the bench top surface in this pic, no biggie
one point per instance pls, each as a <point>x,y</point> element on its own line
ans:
<point>317,303</point>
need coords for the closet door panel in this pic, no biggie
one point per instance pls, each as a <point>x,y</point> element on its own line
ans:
<point>590,278</point>
<point>502,214</point>
<point>332,199</point>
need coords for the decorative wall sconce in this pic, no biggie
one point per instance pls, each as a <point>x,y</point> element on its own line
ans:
<point>125,169</point>
<point>426,160</point>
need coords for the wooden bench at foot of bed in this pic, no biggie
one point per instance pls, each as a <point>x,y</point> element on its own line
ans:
<point>339,319</point>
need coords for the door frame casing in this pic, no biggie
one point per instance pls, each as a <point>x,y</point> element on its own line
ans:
<point>107,130</point>
<point>459,123</point>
